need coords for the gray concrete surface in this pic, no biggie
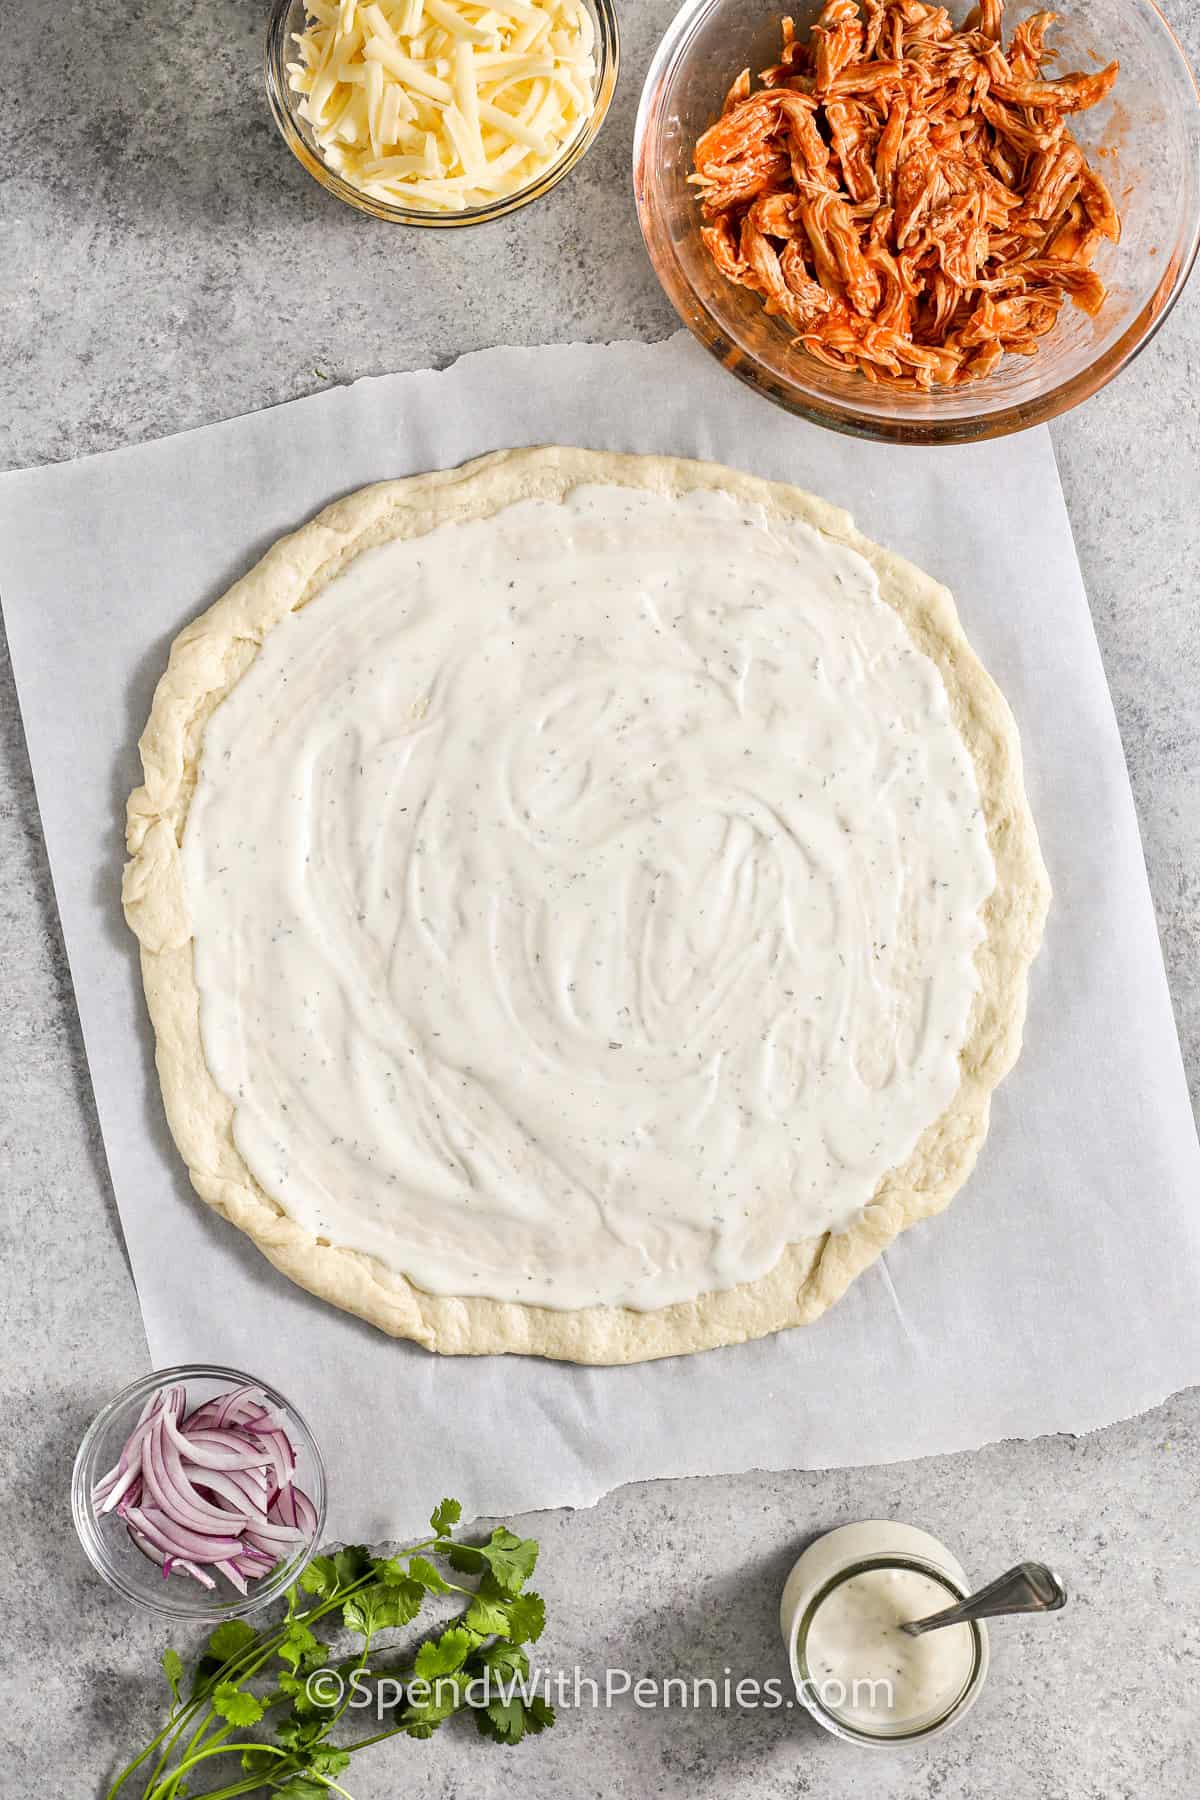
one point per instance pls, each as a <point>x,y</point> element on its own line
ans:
<point>163,263</point>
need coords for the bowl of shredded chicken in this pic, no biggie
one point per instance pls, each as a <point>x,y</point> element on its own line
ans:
<point>917,221</point>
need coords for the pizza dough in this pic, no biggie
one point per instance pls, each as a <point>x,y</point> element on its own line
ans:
<point>710,932</point>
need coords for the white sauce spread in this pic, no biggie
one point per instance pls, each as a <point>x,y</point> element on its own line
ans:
<point>872,1675</point>
<point>585,899</point>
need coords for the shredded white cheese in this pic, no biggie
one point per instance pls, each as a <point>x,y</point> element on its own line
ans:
<point>444,104</point>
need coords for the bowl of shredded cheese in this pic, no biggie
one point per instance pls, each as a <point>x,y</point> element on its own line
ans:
<point>440,112</point>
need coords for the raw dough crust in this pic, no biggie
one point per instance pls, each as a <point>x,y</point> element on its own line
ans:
<point>209,657</point>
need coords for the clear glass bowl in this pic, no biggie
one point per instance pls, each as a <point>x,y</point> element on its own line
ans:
<point>111,1551</point>
<point>289,16</point>
<point>1148,136</point>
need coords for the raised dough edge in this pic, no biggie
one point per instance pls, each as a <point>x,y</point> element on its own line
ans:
<point>206,661</point>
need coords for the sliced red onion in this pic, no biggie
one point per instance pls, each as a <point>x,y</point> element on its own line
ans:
<point>281,1454</point>
<point>132,1498</point>
<point>252,1561</point>
<point>213,1488</point>
<point>282,1508</point>
<point>226,1409</point>
<point>231,1407</point>
<point>268,1536</point>
<point>228,1492</point>
<point>192,1569</point>
<point>214,1449</point>
<point>171,1490</point>
<point>293,1507</point>
<point>177,1540</point>
<point>117,1488</point>
<point>223,1449</point>
<point>169,1563</point>
<point>231,1572</point>
<point>146,1548</point>
<point>277,1529</point>
<point>152,1405</point>
<point>130,1456</point>
<point>249,1416</point>
<point>199,1484</point>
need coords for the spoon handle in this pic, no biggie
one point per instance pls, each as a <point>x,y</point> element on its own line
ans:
<point>1029,1588</point>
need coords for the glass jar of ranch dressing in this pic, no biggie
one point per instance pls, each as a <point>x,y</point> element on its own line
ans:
<point>855,1670</point>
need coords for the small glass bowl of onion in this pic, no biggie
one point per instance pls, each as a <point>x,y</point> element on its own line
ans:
<point>361,170</point>
<point>199,1493</point>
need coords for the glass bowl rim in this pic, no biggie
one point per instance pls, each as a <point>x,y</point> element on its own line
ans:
<point>806,1687</point>
<point>94,1540</point>
<point>707,328</point>
<point>281,102</point>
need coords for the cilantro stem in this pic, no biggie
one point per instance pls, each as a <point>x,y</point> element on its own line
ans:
<point>377,1737</point>
<point>361,1667</point>
<point>252,1785</point>
<point>194,1743</point>
<point>171,1786</point>
<point>155,1741</point>
<point>239,1667</point>
<point>245,1664</point>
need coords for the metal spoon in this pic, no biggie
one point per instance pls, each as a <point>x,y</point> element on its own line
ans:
<point>1029,1588</point>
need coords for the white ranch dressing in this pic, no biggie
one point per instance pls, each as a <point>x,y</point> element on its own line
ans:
<point>585,899</point>
<point>869,1673</point>
<point>840,1613</point>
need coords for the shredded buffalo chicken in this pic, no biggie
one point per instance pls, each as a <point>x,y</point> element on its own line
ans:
<point>907,196</point>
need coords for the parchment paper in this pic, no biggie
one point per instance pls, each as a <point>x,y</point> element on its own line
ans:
<point>1062,1289</point>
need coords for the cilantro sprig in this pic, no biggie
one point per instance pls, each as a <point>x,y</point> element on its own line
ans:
<point>262,1707</point>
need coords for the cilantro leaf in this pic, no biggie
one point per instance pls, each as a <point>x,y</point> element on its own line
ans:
<point>508,1721</point>
<point>351,1563</point>
<point>205,1670</point>
<point>301,1788</point>
<point>539,1715</point>
<point>377,1608</point>
<point>236,1704</point>
<point>508,1662</point>
<point>259,1762</point>
<point>445,1517</point>
<point>487,1615</point>
<point>512,1559</point>
<point>299,1643</point>
<point>172,1668</point>
<point>358,1614</point>
<point>421,1718</point>
<point>320,1576</point>
<point>401,1603</point>
<point>305,1702</point>
<point>231,1638</point>
<point>429,1577</point>
<point>520,1617</point>
<point>526,1618</point>
<point>301,1736</point>
<point>328,1760</point>
<point>505,1720</point>
<point>444,1655</point>
<point>390,1570</point>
